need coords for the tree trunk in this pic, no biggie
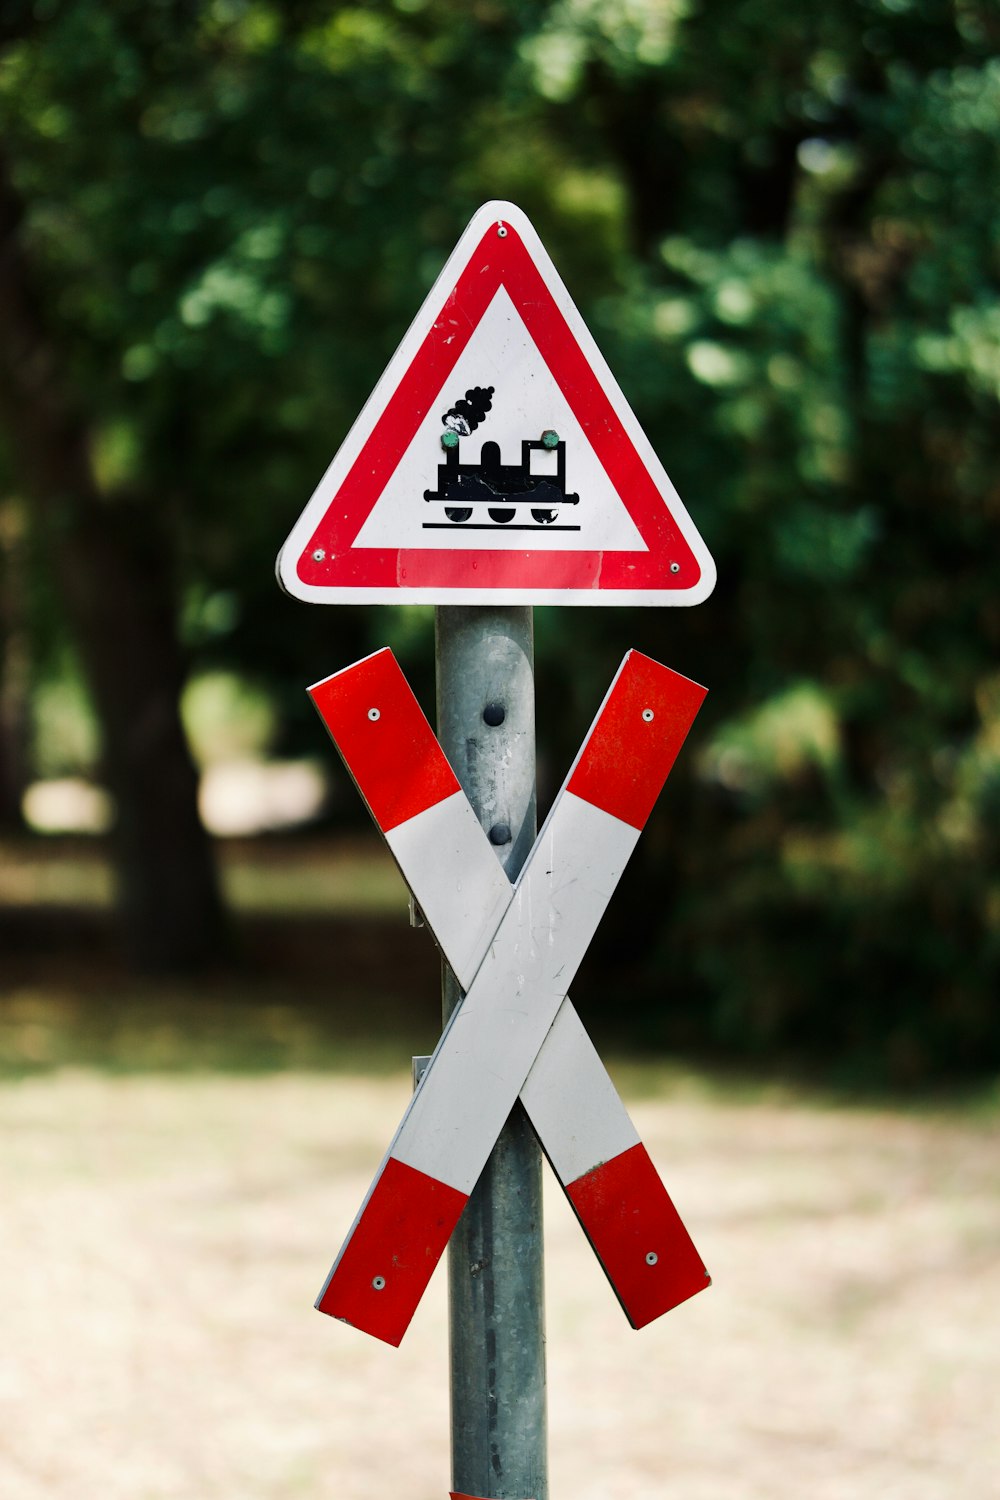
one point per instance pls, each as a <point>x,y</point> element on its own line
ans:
<point>111,563</point>
<point>13,669</point>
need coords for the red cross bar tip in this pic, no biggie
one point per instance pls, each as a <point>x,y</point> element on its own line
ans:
<point>508,944</point>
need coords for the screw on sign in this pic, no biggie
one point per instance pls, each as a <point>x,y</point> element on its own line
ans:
<point>515,950</point>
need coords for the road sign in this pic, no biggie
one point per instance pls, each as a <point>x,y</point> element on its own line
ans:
<point>497,459</point>
<point>515,1031</point>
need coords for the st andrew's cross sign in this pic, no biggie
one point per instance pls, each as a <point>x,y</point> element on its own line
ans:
<point>515,950</point>
<point>497,459</point>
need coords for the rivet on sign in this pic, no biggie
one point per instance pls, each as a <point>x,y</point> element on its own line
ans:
<point>651,1258</point>
<point>499,834</point>
<point>449,439</point>
<point>502,231</point>
<point>378,1282</point>
<point>494,714</point>
<point>550,439</point>
<point>648,716</point>
<point>318,555</point>
<point>675,567</point>
<point>374,714</point>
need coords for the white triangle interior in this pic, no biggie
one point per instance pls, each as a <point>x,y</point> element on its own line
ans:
<point>526,402</point>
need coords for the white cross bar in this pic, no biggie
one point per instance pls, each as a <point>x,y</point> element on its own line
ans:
<point>515,1030</point>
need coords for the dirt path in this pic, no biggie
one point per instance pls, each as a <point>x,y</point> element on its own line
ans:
<point>162,1240</point>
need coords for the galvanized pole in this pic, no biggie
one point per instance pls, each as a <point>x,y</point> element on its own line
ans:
<point>486,725</point>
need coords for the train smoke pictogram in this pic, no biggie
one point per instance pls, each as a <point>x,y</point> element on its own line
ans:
<point>466,415</point>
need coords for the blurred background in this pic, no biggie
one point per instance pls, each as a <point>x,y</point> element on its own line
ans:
<point>216,221</point>
<point>781,224</point>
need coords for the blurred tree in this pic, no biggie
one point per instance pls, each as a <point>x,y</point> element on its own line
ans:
<point>207,223</point>
<point>14,667</point>
<point>112,569</point>
<point>814,248</point>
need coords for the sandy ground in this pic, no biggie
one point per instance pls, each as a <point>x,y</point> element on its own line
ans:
<point>162,1239</point>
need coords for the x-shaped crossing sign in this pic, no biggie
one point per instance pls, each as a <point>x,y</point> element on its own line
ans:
<point>514,950</point>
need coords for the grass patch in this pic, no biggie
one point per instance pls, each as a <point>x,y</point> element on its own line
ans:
<point>164,1029</point>
<point>262,875</point>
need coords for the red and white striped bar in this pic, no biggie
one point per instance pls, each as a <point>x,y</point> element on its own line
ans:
<point>525,945</point>
<point>584,1128</point>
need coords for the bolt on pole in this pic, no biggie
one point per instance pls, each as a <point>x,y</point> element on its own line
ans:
<point>486,727</point>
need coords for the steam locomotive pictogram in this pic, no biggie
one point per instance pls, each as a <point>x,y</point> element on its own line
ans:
<point>535,487</point>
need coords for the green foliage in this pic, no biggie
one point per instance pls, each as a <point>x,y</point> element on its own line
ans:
<point>782,224</point>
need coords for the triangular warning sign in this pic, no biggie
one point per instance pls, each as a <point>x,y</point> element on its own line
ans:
<point>497,458</point>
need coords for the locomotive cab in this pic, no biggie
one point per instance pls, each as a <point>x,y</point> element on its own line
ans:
<point>499,494</point>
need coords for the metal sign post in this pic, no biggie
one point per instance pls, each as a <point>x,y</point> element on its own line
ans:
<point>486,726</point>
